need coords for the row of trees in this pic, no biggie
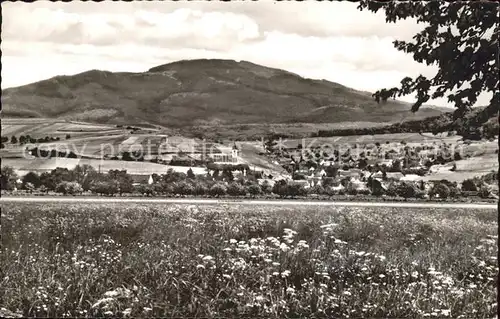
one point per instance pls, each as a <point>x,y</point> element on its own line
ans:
<point>115,182</point>
<point>25,139</point>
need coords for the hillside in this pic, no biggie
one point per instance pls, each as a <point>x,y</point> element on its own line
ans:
<point>200,92</point>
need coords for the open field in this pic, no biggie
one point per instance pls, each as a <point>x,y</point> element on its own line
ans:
<point>466,168</point>
<point>372,139</point>
<point>39,165</point>
<point>242,132</point>
<point>151,260</point>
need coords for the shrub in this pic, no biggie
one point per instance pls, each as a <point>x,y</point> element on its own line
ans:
<point>254,189</point>
<point>70,188</point>
<point>218,190</point>
<point>440,189</point>
<point>406,190</point>
<point>318,190</point>
<point>200,189</point>
<point>485,192</point>
<point>266,188</point>
<point>469,185</point>
<point>183,188</point>
<point>280,188</point>
<point>294,190</point>
<point>104,188</point>
<point>29,187</point>
<point>235,189</point>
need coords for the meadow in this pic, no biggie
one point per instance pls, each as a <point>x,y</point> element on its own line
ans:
<point>151,260</point>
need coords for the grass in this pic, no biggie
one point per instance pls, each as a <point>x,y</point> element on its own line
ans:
<point>150,260</point>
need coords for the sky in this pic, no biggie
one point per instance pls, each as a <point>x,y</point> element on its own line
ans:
<point>319,40</point>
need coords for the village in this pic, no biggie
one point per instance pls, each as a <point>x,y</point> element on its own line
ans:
<point>185,167</point>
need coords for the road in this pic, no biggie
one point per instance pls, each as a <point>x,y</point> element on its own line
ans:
<point>244,202</point>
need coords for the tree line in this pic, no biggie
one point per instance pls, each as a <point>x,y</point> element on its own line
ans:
<point>118,182</point>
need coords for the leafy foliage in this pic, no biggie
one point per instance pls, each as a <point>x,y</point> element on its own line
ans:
<point>461,38</point>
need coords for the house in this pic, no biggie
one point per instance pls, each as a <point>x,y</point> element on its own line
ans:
<point>350,173</point>
<point>378,186</point>
<point>315,179</point>
<point>357,184</point>
<point>302,183</point>
<point>337,188</point>
<point>141,179</point>
<point>395,176</point>
<point>410,177</point>
<point>377,175</point>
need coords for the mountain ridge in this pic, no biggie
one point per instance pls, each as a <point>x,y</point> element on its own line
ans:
<point>199,92</point>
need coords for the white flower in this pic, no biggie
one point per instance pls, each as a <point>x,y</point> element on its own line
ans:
<point>112,293</point>
<point>284,247</point>
<point>233,241</point>
<point>102,301</point>
<point>127,311</point>
<point>147,309</point>
<point>290,290</point>
<point>200,267</point>
<point>381,276</point>
<point>226,276</point>
<point>286,273</point>
<point>328,225</point>
<point>208,258</point>
<point>276,273</point>
<point>445,312</point>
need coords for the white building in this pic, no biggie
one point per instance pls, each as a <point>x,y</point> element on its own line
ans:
<point>227,156</point>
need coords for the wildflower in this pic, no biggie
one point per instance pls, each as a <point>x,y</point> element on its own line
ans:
<point>127,311</point>
<point>284,247</point>
<point>200,267</point>
<point>286,273</point>
<point>328,225</point>
<point>208,258</point>
<point>275,264</point>
<point>445,312</point>
<point>276,273</point>
<point>226,276</point>
<point>233,241</point>
<point>381,276</point>
<point>112,293</point>
<point>147,309</point>
<point>267,260</point>
<point>347,293</point>
<point>290,290</point>
<point>102,301</point>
